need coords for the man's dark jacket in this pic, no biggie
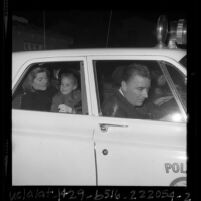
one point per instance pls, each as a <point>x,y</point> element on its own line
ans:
<point>118,106</point>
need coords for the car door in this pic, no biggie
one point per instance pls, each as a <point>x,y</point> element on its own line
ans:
<point>137,152</point>
<point>50,148</point>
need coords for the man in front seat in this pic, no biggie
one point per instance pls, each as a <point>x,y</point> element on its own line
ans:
<point>127,102</point>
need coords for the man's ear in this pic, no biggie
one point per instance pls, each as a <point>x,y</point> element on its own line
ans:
<point>123,85</point>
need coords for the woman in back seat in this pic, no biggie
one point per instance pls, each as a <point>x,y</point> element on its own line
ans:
<point>39,94</point>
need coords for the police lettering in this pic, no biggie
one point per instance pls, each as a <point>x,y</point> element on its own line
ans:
<point>175,167</point>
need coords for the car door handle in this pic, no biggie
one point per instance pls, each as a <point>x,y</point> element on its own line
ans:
<point>104,127</point>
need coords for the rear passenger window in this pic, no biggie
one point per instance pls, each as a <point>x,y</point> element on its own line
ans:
<point>52,87</point>
<point>140,96</point>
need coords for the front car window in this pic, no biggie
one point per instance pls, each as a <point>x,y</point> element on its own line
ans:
<point>158,102</point>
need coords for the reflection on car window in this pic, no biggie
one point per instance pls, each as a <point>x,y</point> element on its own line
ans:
<point>134,89</point>
<point>53,86</point>
<point>179,81</point>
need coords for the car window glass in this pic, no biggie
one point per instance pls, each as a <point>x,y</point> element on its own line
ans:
<point>160,104</point>
<point>62,82</point>
<point>179,81</point>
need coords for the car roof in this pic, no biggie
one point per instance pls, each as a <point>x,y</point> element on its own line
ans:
<point>176,54</point>
<point>19,58</point>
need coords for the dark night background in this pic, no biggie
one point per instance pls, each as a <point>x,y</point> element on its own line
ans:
<point>88,28</point>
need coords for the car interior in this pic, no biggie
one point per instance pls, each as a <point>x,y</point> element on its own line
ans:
<point>55,69</point>
<point>108,76</point>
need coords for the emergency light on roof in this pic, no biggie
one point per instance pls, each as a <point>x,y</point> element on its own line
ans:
<point>162,30</point>
<point>177,34</point>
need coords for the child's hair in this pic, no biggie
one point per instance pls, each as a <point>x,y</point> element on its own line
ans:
<point>71,76</point>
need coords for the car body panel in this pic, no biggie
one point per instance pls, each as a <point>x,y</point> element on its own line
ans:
<point>67,149</point>
<point>138,151</point>
<point>51,148</point>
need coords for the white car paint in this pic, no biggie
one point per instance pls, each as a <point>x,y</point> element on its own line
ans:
<point>137,153</point>
<point>44,152</point>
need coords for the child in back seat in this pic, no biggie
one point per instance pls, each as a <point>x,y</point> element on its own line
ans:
<point>67,97</point>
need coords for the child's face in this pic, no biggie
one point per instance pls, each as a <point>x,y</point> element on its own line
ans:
<point>67,85</point>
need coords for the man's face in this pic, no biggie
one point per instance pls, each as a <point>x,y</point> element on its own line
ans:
<point>136,89</point>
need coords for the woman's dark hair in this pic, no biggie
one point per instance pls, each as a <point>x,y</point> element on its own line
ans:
<point>135,69</point>
<point>27,84</point>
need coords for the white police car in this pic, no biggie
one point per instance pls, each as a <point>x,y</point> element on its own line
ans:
<point>87,148</point>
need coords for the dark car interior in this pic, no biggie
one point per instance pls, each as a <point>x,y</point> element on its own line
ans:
<point>55,70</point>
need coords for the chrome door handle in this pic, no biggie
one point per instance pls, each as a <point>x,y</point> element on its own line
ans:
<point>104,127</point>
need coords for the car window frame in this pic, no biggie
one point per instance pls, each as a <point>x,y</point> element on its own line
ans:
<point>172,87</point>
<point>23,69</point>
<point>91,59</point>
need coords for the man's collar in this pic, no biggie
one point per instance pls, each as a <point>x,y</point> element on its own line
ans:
<point>121,92</point>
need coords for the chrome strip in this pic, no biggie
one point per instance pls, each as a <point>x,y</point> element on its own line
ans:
<point>96,166</point>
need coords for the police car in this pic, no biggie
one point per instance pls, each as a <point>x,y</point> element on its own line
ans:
<point>88,148</point>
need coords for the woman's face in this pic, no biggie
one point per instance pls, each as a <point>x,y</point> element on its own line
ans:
<point>40,81</point>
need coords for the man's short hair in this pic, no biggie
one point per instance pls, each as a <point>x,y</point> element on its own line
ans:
<point>135,69</point>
